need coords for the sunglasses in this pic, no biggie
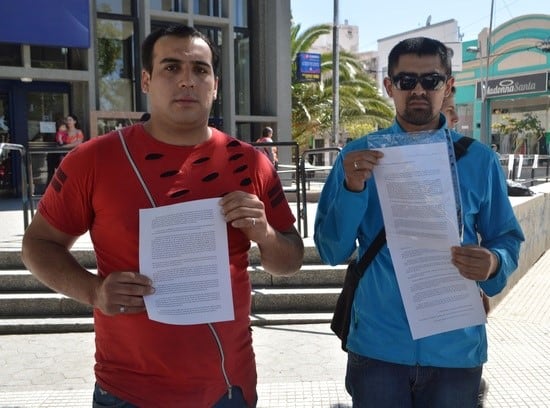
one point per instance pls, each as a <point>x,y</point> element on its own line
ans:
<point>430,82</point>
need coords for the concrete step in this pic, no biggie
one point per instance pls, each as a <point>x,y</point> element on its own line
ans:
<point>294,300</point>
<point>34,325</point>
<point>22,281</point>
<point>27,306</point>
<point>264,300</point>
<point>11,258</point>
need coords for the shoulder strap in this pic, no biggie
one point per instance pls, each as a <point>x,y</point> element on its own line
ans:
<point>136,170</point>
<point>461,148</point>
<point>371,252</point>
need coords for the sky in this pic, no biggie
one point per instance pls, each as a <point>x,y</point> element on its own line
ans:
<point>380,19</point>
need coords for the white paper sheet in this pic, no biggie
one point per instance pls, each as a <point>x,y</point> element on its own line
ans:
<point>420,215</point>
<point>183,248</point>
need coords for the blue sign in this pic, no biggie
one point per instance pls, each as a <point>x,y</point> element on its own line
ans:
<point>56,23</point>
<point>308,67</point>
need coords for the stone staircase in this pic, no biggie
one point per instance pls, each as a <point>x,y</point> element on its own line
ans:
<point>27,306</point>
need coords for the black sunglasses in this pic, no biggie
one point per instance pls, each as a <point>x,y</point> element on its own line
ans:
<point>430,82</point>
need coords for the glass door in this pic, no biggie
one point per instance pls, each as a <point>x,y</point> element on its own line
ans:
<point>45,112</point>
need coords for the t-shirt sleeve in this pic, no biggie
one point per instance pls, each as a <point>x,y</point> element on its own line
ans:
<point>66,204</point>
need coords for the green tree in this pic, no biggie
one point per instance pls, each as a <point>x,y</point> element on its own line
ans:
<point>519,135</point>
<point>361,108</point>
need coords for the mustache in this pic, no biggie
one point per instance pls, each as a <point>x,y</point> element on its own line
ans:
<point>418,98</point>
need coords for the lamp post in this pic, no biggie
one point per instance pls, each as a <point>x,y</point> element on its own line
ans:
<point>483,83</point>
<point>335,76</point>
<point>485,130</point>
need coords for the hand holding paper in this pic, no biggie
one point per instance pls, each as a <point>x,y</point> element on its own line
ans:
<point>419,207</point>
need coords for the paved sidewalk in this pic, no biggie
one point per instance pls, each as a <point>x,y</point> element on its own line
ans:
<point>298,365</point>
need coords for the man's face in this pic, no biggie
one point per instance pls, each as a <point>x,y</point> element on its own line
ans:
<point>182,85</point>
<point>418,108</point>
<point>449,110</point>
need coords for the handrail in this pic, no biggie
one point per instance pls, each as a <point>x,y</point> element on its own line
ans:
<point>291,168</point>
<point>25,198</point>
<point>513,169</point>
<point>303,175</point>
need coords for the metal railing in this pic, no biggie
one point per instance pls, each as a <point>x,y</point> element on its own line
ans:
<point>27,205</point>
<point>37,153</point>
<point>315,165</point>
<point>537,167</point>
<point>289,175</point>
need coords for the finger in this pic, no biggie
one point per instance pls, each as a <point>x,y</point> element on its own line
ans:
<point>237,199</point>
<point>250,223</point>
<point>132,277</point>
<point>126,309</point>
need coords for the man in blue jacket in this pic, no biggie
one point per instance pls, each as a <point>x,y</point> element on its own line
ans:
<point>386,367</point>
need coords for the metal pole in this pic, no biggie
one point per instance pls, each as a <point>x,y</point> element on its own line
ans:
<point>485,136</point>
<point>335,76</point>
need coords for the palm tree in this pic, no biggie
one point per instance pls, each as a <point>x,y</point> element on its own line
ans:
<point>362,108</point>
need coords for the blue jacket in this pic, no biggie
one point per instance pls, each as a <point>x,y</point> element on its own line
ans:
<point>379,327</point>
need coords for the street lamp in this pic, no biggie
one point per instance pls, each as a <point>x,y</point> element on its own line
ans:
<point>483,84</point>
<point>485,132</point>
<point>336,75</point>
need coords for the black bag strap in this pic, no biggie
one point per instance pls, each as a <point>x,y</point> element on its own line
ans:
<point>461,148</point>
<point>371,252</point>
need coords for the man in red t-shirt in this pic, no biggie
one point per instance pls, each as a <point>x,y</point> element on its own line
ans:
<point>141,362</point>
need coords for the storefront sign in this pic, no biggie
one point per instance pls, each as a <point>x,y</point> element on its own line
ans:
<point>523,84</point>
<point>308,67</point>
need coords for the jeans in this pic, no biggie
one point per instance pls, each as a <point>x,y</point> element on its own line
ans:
<point>104,399</point>
<point>375,383</point>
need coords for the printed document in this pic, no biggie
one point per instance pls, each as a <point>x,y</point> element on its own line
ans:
<point>183,249</point>
<point>419,208</point>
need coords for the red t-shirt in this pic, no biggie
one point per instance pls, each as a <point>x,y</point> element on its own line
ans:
<point>142,361</point>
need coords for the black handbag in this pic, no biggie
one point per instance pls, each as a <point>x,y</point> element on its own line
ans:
<point>342,313</point>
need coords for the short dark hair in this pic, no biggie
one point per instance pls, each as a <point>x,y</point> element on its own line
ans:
<point>420,46</point>
<point>267,131</point>
<point>176,30</point>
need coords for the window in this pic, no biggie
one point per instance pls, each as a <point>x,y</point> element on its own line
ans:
<point>240,13</point>
<point>115,54</point>
<point>49,57</point>
<point>213,8</point>
<point>242,72</point>
<point>10,55</point>
<point>169,5</point>
<point>216,36</point>
<point>114,7</point>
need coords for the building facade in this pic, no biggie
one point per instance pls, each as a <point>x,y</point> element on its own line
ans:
<point>517,77</point>
<point>82,57</point>
<point>447,32</point>
<point>348,40</point>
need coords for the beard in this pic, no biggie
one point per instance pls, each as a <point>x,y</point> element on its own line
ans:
<point>419,115</point>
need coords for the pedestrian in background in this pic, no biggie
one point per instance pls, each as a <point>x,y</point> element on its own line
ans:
<point>140,362</point>
<point>74,133</point>
<point>386,367</point>
<point>449,109</point>
<point>270,152</point>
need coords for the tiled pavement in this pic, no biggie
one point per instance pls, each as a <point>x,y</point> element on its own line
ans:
<point>298,365</point>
